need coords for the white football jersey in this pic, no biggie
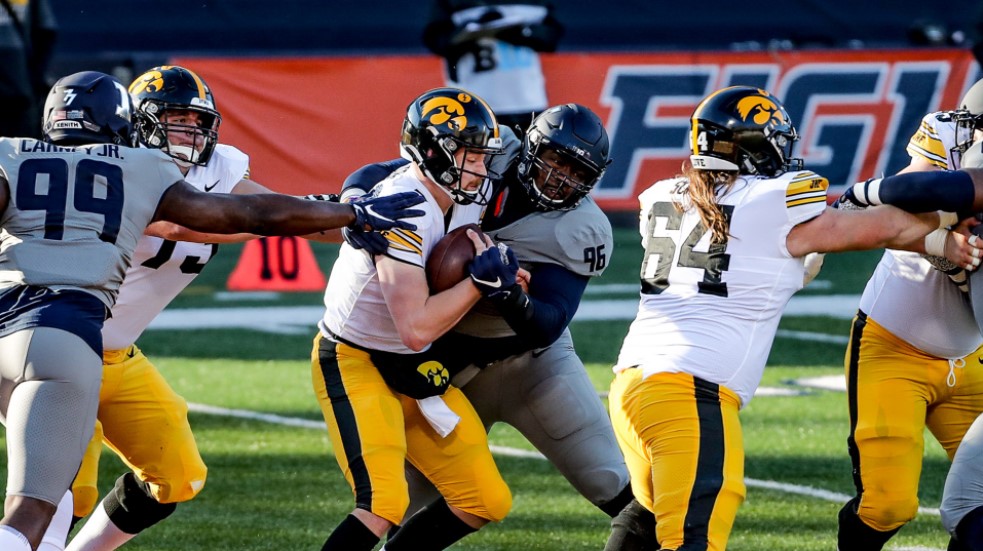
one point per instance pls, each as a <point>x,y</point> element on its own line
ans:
<point>714,313</point>
<point>161,268</point>
<point>906,295</point>
<point>75,214</point>
<point>355,308</point>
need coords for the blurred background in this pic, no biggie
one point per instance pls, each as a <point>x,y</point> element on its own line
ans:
<point>312,90</point>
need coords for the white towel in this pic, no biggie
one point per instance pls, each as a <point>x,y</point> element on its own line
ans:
<point>441,418</point>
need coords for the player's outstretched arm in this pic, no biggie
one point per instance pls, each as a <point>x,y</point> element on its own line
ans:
<point>275,214</point>
<point>837,230</point>
<point>950,191</point>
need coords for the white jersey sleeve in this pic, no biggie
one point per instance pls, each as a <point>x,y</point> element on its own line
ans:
<point>161,268</point>
<point>934,141</point>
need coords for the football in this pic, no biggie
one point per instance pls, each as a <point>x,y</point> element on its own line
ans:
<point>448,263</point>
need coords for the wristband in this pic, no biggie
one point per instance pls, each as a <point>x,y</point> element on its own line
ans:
<point>868,192</point>
<point>935,242</point>
<point>948,219</point>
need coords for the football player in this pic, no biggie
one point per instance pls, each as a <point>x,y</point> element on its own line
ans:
<point>175,112</point>
<point>383,401</point>
<point>912,337</point>
<point>724,248</point>
<point>73,209</point>
<point>516,361</point>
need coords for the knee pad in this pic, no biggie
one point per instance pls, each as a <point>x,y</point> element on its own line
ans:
<point>855,535</point>
<point>885,512</point>
<point>493,503</point>
<point>178,479</point>
<point>85,499</point>
<point>132,508</point>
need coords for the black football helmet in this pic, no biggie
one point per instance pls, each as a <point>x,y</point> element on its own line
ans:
<point>170,87</point>
<point>88,107</point>
<point>439,123</point>
<point>578,138</point>
<point>968,118</point>
<point>744,129</point>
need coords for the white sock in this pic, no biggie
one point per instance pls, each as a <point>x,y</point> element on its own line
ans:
<point>99,534</point>
<point>57,533</point>
<point>12,540</point>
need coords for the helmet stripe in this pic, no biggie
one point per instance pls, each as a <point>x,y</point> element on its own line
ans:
<point>199,83</point>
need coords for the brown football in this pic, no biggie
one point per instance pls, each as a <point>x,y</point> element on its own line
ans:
<point>448,262</point>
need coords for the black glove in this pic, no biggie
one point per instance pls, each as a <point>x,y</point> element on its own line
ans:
<point>493,271</point>
<point>373,242</point>
<point>386,213</point>
<point>857,194</point>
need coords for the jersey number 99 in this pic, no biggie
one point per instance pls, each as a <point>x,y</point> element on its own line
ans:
<point>84,198</point>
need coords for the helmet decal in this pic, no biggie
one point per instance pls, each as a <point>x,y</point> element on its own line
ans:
<point>443,110</point>
<point>152,81</point>
<point>760,110</point>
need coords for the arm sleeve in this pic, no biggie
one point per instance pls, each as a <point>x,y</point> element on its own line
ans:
<point>949,191</point>
<point>540,317</point>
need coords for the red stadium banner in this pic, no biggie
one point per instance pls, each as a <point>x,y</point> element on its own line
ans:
<point>308,122</point>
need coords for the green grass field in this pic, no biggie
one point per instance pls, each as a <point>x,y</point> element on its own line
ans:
<point>273,486</point>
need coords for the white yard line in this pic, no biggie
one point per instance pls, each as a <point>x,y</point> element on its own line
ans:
<point>796,489</point>
<point>302,319</point>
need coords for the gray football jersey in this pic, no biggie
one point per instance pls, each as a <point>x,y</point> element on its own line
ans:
<point>580,240</point>
<point>75,214</point>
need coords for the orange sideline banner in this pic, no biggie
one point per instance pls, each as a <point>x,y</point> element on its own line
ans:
<point>308,122</point>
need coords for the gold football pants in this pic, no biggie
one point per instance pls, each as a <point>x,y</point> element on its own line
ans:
<point>375,430</point>
<point>894,391</point>
<point>682,442</point>
<point>145,422</point>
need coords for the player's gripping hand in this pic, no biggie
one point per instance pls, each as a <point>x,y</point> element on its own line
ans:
<point>494,269</point>
<point>373,242</point>
<point>857,195</point>
<point>387,212</point>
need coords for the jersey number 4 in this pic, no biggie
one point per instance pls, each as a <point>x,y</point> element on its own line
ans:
<point>661,251</point>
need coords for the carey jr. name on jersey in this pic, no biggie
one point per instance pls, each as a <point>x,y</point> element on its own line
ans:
<point>96,150</point>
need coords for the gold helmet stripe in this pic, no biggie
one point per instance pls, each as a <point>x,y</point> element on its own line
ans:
<point>199,83</point>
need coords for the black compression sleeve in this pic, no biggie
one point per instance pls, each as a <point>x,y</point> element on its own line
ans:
<point>538,318</point>
<point>949,191</point>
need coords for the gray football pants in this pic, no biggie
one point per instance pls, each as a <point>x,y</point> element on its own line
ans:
<point>548,397</point>
<point>49,395</point>
<point>964,485</point>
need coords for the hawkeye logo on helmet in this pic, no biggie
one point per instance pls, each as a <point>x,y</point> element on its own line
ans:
<point>151,79</point>
<point>760,110</point>
<point>446,111</point>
